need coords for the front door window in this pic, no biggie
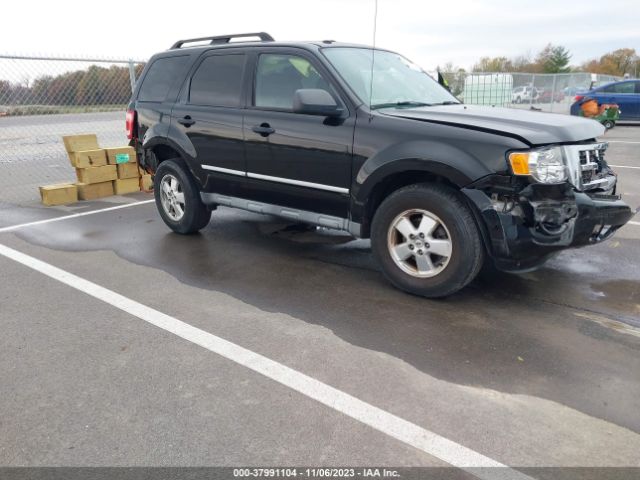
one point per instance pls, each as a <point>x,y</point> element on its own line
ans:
<point>279,76</point>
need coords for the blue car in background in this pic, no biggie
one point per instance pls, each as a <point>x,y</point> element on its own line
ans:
<point>625,94</point>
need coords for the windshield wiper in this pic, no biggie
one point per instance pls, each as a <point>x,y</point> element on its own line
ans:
<point>448,102</point>
<point>406,103</point>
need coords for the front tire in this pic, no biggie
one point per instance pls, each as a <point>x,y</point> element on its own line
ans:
<point>426,240</point>
<point>178,198</point>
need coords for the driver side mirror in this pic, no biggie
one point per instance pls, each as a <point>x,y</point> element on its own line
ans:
<point>315,101</point>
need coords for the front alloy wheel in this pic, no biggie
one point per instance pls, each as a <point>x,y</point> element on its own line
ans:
<point>419,243</point>
<point>426,240</point>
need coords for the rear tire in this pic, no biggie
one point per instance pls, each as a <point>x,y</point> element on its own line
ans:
<point>178,198</point>
<point>425,238</point>
<point>608,124</point>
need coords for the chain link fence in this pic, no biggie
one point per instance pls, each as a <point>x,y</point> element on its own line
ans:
<point>44,98</point>
<point>552,93</point>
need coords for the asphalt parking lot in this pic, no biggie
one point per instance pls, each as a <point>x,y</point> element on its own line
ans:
<point>256,343</point>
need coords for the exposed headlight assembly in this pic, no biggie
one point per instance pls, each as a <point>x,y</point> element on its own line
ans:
<point>544,165</point>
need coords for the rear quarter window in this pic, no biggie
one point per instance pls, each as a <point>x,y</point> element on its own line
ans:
<point>161,76</point>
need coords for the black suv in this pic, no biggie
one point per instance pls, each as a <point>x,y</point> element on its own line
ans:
<point>359,139</point>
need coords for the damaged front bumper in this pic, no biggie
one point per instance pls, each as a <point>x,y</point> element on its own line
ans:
<point>525,227</point>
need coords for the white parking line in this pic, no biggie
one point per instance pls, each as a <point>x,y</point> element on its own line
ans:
<point>429,442</point>
<point>620,141</point>
<point>73,215</point>
<point>633,223</point>
<point>623,166</point>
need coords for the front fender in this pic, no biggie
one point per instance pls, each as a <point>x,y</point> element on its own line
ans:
<point>441,159</point>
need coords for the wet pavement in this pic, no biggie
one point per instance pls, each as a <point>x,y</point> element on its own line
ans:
<point>538,369</point>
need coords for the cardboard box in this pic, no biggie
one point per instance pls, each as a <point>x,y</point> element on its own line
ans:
<point>126,185</point>
<point>91,191</point>
<point>127,170</point>
<point>88,158</point>
<point>146,183</point>
<point>60,194</point>
<point>79,143</point>
<point>119,155</point>
<point>97,174</point>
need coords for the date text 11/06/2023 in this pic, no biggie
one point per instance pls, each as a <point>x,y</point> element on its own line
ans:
<point>315,473</point>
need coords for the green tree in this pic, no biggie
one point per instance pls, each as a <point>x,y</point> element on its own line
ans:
<point>554,59</point>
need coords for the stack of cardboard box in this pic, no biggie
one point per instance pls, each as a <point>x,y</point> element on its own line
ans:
<point>101,172</point>
<point>126,165</point>
<point>95,176</point>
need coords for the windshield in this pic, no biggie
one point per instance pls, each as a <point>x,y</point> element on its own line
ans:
<point>397,82</point>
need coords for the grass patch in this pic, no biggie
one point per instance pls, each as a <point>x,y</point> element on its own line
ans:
<point>25,110</point>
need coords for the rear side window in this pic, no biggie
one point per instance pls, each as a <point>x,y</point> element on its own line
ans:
<point>160,78</point>
<point>626,87</point>
<point>218,81</point>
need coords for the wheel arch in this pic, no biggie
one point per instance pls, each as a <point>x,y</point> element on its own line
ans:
<point>158,149</point>
<point>398,180</point>
<point>382,174</point>
<point>386,185</point>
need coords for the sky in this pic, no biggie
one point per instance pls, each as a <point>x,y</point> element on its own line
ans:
<point>430,33</point>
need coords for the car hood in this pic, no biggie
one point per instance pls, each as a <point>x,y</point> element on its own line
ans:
<point>534,128</point>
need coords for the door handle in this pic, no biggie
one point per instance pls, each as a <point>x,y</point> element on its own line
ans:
<point>186,121</point>
<point>263,129</point>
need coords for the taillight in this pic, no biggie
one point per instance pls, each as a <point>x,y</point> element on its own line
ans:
<point>578,98</point>
<point>130,123</point>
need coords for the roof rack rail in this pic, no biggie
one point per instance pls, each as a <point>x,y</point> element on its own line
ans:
<point>221,39</point>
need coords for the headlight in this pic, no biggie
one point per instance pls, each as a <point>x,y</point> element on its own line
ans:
<point>544,165</point>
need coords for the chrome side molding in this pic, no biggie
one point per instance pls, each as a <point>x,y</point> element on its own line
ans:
<point>229,171</point>
<point>299,183</point>
<point>269,178</point>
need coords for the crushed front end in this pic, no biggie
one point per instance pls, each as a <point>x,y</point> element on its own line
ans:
<point>528,220</point>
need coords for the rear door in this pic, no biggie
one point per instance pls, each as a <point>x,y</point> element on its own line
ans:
<point>209,118</point>
<point>624,95</point>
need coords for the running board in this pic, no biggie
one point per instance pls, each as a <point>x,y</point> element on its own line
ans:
<point>313,218</point>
